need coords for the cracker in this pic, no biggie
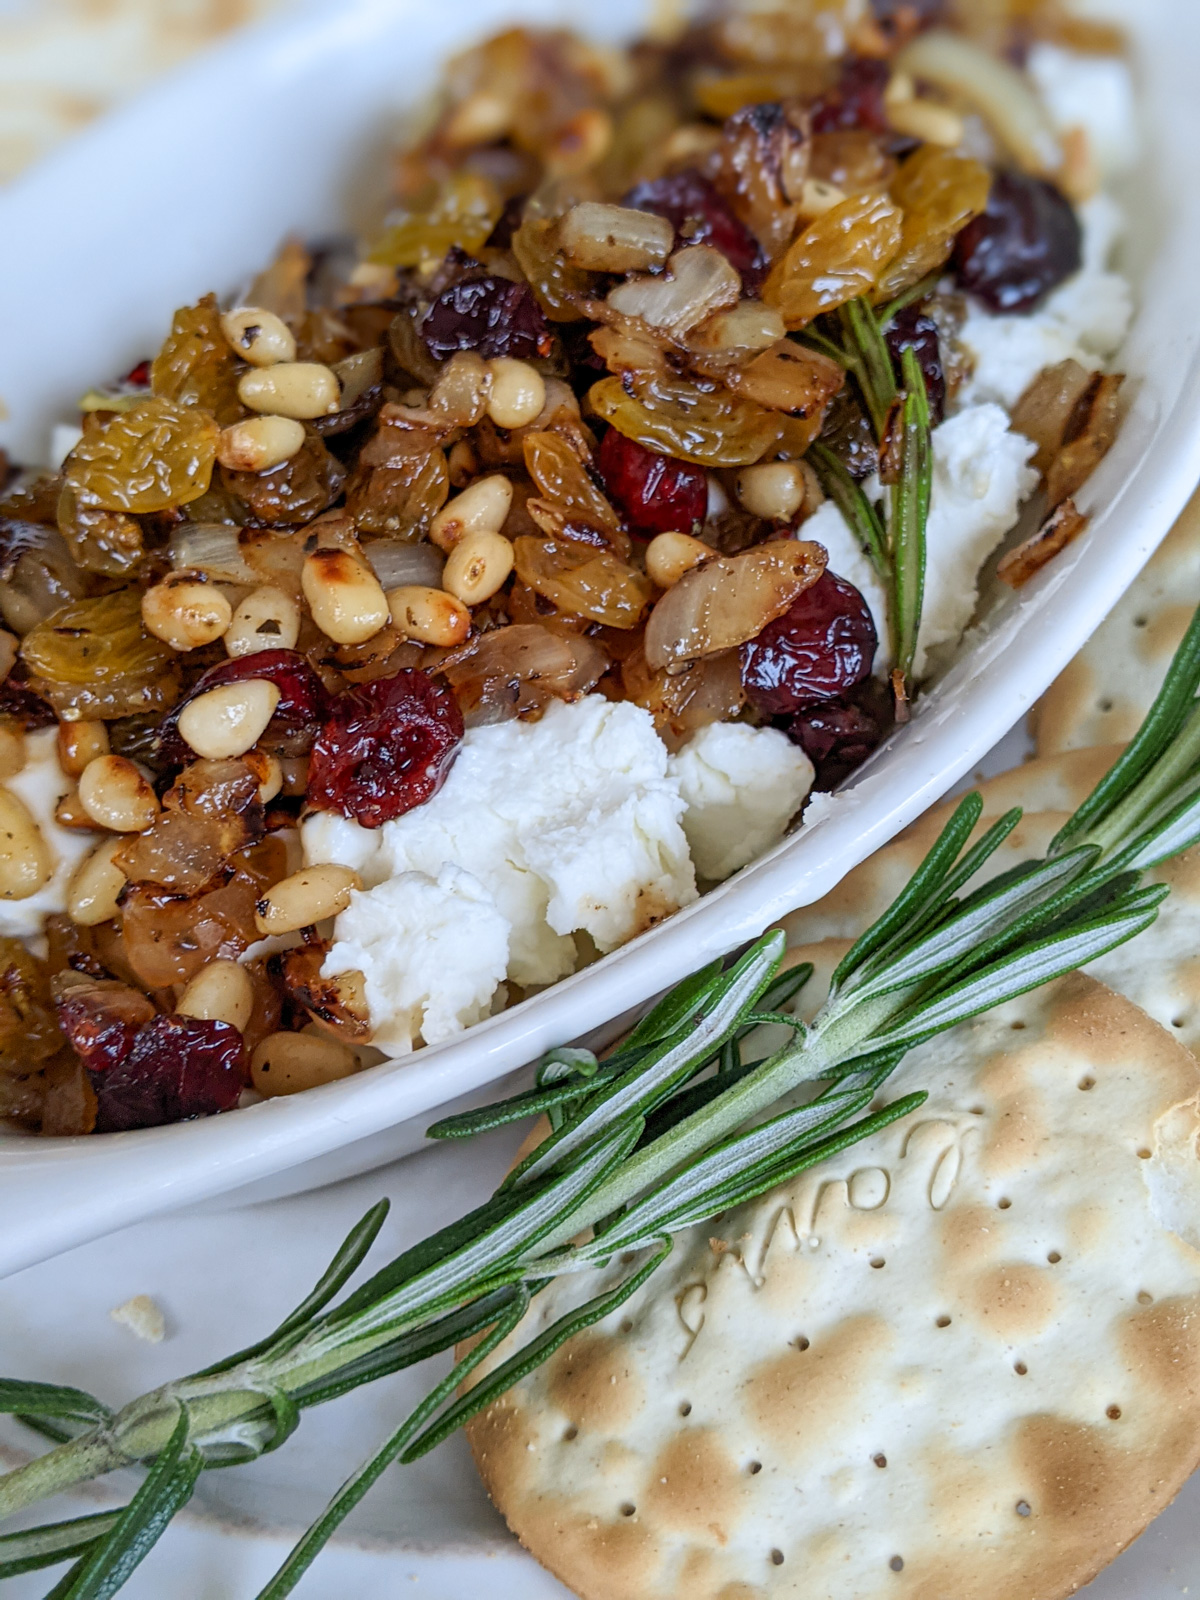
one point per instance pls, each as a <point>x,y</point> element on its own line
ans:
<point>1105,692</point>
<point>961,1360</point>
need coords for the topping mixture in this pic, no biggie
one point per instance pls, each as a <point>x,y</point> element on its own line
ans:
<point>436,614</point>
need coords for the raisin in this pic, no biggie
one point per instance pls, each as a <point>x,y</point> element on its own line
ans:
<point>849,434</point>
<point>155,455</point>
<point>1026,242</point>
<point>583,580</point>
<point>838,735</point>
<point>294,492</point>
<point>708,427</point>
<point>841,255</point>
<point>501,236</point>
<point>911,329</point>
<point>940,194</point>
<point>690,203</point>
<point>303,700</point>
<point>856,101</point>
<point>493,316</point>
<point>94,658</point>
<point>196,365</point>
<point>655,493</point>
<point>178,1068</point>
<point>384,748</point>
<point>19,703</point>
<point>29,1031</point>
<point>823,645</point>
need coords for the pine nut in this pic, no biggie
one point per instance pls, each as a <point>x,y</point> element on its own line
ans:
<point>230,720</point>
<point>96,885</point>
<point>289,1063</point>
<point>817,197</point>
<point>69,813</point>
<point>482,118</point>
<point>259,443</point>
<point>26,864</point>
<point>80,743</point>
<point>269,773</point>
<point>308,896</point>
<point>12,748</point>
<point>186,611</point>
<point>267,619</point>
<point>670,555</point>
<point>477,567</point>
<point>300,389</point>
<point>900,89</point>
<point>258,336</point>
<point>344,595</point>
<point>220,992</point>
<point>430,616</point>
<point>484,507</point>
<point>116,794</point>
<point>518,392</point>
<point>774,490</point>
<point>925,119</point>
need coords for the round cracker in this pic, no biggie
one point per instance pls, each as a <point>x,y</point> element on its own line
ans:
<point>962,1359</point>
<point>1106,691</point>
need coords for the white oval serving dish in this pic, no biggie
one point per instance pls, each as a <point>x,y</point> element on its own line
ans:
<point>191,188</point>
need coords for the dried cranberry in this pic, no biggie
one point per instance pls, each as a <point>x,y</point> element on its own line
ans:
<point>19,702</point>
<point>491,315</point>
<point>905,17</point>
<point>837,735</point>
<point>100,1018</point>
<point>699,215</point>
<point>849,434</point>
<point>501,236</point>
<point>179,1068</point>
<point>856,101</point>
<point>911,329</point>
<point>138,377</point>
<point>303,699</point>
<point>1024,245</point>
<point>385,747</point>
<point>656,494</point>
<point>822,645</point>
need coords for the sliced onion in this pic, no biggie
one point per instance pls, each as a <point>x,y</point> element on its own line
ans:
<point>602,238</point>
<point>395,563</point>
<point>691,698</point>
<point>750,326</point>
<point>212,547</point>
<point>729,600</point>
<point>358,373</point>
<point>1045,411</point>
<point>1000,94</point>
<point>519,670</point>
<point>701,282</point>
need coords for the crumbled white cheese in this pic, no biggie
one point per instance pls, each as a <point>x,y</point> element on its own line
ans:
<point>41,784</point>
<point>143,1317</point>
<point>433,951</point>
<point>64,436</point>
<point>1094,93</point>
<point>569,825</point>
<point>742,786</point>
<point>981,474</point>
<point>1085,319</point>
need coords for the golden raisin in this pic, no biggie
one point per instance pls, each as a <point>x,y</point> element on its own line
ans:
<point>196,365</point>
<point>840,256</point>
<point>583,580</point>
<point>157,455</point>
<point>940,194</point>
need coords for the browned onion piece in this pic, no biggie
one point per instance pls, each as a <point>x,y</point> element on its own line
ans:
<point>700,282</point>
<point>517,671</point>
<point>729,600</point>
<point>685,701</point>
<point>1044,411</point>
<point>790,378</point>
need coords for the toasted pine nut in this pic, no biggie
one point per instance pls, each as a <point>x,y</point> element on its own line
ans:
<point>477,567</point>
<point>817,197</point>
<point>117,795</point>
<point>96,885</point>
<point>430,616</point>
<point>301,389</point>
<point>900,89</point>
<point>259,443</point>
<point>344,595</point>
<point>258,336</point>
<point>12,748</point>
<point>186,611</point>
<point>670,555</point>
<point>518,392</point>
<point>308,896</point>
<point>267,619</point>
<point>271,774</point>
<point>925,119</point>
<point>230,720</point>
<point>774,490</point>
<point>289,1063</point>
<point>482,118</point>
<point>69,812</point>
<point>79,743</point>
<point>26,864</point>
<point>482,507</point>
<point>220,992</point>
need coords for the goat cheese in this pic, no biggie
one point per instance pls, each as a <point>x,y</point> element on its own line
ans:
<point>742,787</point>
<point>1085,319</point>
<point>1094,93</point>
<point>848,560</point>
<point>41,784</point>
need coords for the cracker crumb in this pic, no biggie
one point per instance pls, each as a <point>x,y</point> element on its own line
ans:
<point>143,1317</point>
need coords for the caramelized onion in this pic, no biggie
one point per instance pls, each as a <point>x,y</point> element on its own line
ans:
<point>396,563</point>
<point>700,283</point>
<point>729,600</point>
<point>211,547</point>
<point>517,671</point>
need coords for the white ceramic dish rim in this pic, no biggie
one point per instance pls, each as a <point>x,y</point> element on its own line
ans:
<point>56,1193</point>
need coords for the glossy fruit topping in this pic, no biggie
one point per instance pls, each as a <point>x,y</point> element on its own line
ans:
<point>655,493</point>
<point>838,735</point>
<point>178,1068</point>
<point>490,315</point>
<point>303,699</point>
<point>822,645</point>
<point>856,101</point>
<point>912,330</point>
<point>1025,244</point>
<point>100,1018</point>
<point>384,748</point>
<point>699,216</point>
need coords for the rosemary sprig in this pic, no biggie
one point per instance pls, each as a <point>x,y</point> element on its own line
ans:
<point>910,516</point>
<point>672,1131</point>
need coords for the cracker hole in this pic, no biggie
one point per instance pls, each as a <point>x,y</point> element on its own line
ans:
<point>1141,622</point>
<point>877,1262</point>
<point>1020,1369</point>
<point>754,1468</point>
<point>943,1322</point>
<point>1113,1413</point>
<point>880,1461</point>
<point>776,1558</point>
<point>1019,1027</point>
<point>976,1111</point>
<point>1054,1258</point>
<point>1004,1205</point>
<point>571,1434</point>
<point>1104,705</point>
<point>802,1343</point>
<point>1178,1022</point>
<point>627,1325</point>
<point>1145,1299</point>
<point>1144,1154</point>
<point>685,1409</point>
<point>1024,1509</point>
<point>897,1563</point>
<point>629,1509</point>
<point>1087,1083</point>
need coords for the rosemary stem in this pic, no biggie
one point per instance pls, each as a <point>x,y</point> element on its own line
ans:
<point>1122,824</point>
<point>78,1461</point>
